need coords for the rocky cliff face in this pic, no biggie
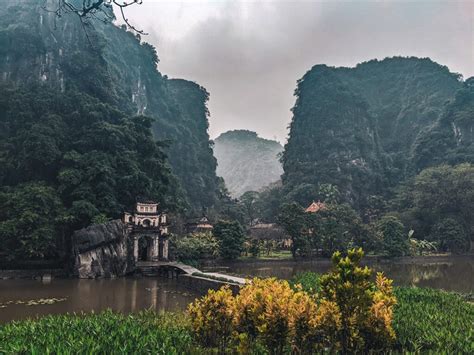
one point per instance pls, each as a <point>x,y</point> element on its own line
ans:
<point>246,161</point>
<point>102,250</point>
<point>116,67</point>
<point>451,138</point>
<point>357,128</point>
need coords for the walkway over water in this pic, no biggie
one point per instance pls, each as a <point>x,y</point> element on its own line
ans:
<point>152,268</point>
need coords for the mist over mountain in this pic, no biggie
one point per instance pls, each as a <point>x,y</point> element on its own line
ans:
<point>246,161</point>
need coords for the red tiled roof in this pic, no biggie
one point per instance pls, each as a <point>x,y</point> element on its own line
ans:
<point>315,207</point>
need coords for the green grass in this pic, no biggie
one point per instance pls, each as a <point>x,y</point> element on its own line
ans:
<point>425,320</point>
<point>106,332</point>
<point>274,255</point>
<point>433,320</point>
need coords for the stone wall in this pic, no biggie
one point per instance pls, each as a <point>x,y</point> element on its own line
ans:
<point>103,250</point>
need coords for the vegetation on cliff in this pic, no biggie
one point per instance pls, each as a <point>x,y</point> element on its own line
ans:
<point>68,159</point>
<point>88,124</point>
<point>355,127</point>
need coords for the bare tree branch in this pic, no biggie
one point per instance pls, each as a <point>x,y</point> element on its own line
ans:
<point>94,9</point>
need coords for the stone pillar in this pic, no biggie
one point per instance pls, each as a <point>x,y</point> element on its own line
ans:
<point>154,249</point>
<point>135,248</point>
<point>165,249</point>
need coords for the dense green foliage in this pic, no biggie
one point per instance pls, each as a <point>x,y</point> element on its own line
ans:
<point>358,128</point>
<point>432,320</point>
<point>338,227</point>
<point>293,219</point>
<point>191,153</point>
<point>32,219</point>
<point>231,237</point>
<point>246,161</point>
<point>335,227</point>
<point>80,111</point>
<point>451,138</point>
<point>394,238</point>
<point>101,333</point>
<point>437,205</point>
<point>194,247</point>
<point>68,159</point>
<point>308,281</point>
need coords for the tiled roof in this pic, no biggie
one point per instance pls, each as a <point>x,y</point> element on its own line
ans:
<point>315,207</point>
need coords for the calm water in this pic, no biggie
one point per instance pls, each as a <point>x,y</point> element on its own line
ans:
<point>131,295</point>
<point>124,295</point>
<point>448,273</point>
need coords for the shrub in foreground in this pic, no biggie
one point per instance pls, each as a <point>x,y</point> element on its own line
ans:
<point>424,319</point>
<point>351,313</point>
<point>211,318</point>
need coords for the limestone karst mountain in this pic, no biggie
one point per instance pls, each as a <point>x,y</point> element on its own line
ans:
<point>366,129</point>
<point>246,161</point>
<point>114,66</point>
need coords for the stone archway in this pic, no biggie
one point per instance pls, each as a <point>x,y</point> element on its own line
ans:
<point>145,245</point>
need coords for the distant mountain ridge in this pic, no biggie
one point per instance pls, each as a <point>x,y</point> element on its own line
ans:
<point>246,161</point>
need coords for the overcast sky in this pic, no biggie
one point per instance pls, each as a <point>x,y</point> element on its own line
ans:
<point>249,54</point>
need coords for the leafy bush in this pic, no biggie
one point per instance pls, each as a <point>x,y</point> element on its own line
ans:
<point>262,311</point>
<point>350,313</point>
<point>392,232</point>
<point>212,317</point>
<point>307,281</point>
<point>451,236</point>
<point>366,309</point>
<point>194,247</point>
<point>106,332</point>
<point>231,237</point>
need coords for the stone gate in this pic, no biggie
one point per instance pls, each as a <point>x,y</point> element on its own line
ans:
<point>148,228</point>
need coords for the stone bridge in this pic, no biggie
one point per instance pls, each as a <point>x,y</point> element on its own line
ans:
<point>173,269</point>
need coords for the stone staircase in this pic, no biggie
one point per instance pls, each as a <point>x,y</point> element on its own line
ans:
<point>149,271</point>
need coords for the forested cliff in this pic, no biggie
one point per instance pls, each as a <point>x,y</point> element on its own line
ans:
<point>81,110</point>
<point>246,161</point>
<point>366,129</point>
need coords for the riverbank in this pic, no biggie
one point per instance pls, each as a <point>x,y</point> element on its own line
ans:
<point>424,320</point>
<point>32,272</point>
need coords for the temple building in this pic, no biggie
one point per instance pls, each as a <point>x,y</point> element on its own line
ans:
<point>315,207</point>
<point>148,228</point>
<point>201,225</point>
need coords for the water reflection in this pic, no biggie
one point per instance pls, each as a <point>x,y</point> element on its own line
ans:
<point>448,273</point>
<point>132,295</point>
<point>124,295</point>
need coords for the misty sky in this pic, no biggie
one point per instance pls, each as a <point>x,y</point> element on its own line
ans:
<point>249,54</point>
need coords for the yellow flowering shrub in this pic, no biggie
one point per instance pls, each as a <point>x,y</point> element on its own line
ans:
<point>380,333</point>
<point>350,314</point>
<point>211,318</point>
<point>366,309</point>
<point>262,311</point>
